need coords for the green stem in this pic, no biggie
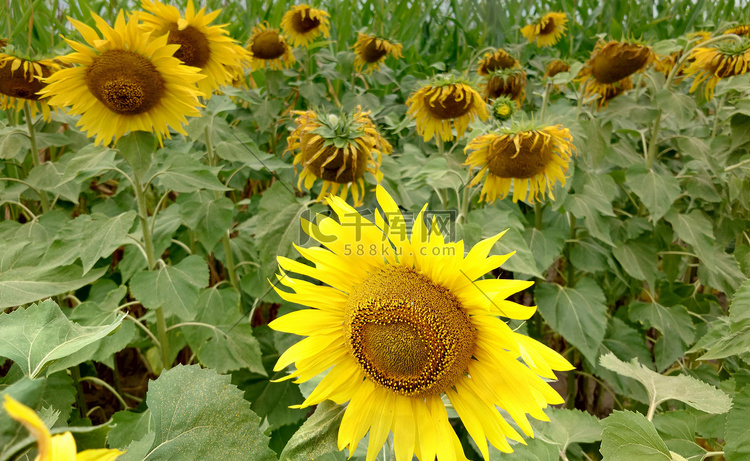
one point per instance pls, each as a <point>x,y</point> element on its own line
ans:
<point>570,401</point>
<point>653,146</point>
<point>545,101</point>
<point>538,215</point>
<point>34,149</point>
<point>75,373</point>
<point>571,281</point>
<point>465,201</point>
<point>719,105</point>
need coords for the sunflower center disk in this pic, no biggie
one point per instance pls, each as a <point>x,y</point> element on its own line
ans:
<point>548,28</point>
<point>14,84</point>
<point>510,86</point>
<point>408,334</point>
<point>268,45</point>
<point>613,63</point>
<point>452,105</point>
<point>372,52</point>
<point>530,159</point>
<point>194,50</point>
<point>306,24</point>
<point>125,82</point>
<point>499,62</point>
<point>328,165</point>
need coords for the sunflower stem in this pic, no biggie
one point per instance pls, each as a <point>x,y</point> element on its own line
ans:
<point>719,105</point>
<point>75,373</point>
<point>652,143</point>
<point>465,201</point>
<point>34,150</point>
<point>570,400</point>
<point>571,281</point>
<point>545,101</point>
<point>538,215</point>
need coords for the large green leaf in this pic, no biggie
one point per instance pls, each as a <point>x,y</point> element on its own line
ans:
<point>674,324</point>
<point>579,314</point>
<point>592,207</point>
<point>40,334</point>
<point>628,436</point>
<point>197,414</point>
<point>732,333</point>
<point>660,388</point>
<point>738,427</point>
<point>208,216</point>
<point>137,147</point>
<point>567,427</point>
<point>181,173</point>
<point>175,288</point>
<point>317,436</point>
<point>638,258</point>
<point>127,427</point>
<point>23,285</point>
<point>657,190</point>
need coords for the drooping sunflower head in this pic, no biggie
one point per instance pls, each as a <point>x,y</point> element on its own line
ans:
<point>555,67</point>
<point>503,108</point>
<point>304,24</point>
<point>509,82</point>
<point>722,60</point>
<point>666,63</point>
<point>21,80</point>
<point>338,149</point>
<point>742,30</point>
<point>269,49</point>
<point>444,103</point>
<point>201,45</point>
<point>611,64</point>
<point>397,322</point>
<point>125,81</point>
<point>498,60</point>
<point>548,30</point>
<point>371,51</point>
<point>530,159</point>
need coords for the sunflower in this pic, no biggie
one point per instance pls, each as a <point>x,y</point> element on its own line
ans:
<point>498,60</point>
<point>711,64</point>
<point>371,51</point>
<point>201,45</point>
<point>665,64</point>
<point>742,30</point>
<point>547,31</point>
<point>269,49</point>
<point>21,80</point>
<point>555,67</point>
<point>303,24</point>
<point>49,447</point>
<point>509,82</point>
<point>402,322</point>
<point>530,159</point>
<point>338,150</point>
<point>126,81</point>
<point>503,108</point>
<point>443,103</point>
<point>611,65</point>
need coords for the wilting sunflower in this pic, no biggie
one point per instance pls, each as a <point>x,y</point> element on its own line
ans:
<point>371,51</point>
<point>509,82</point>
<point>611,66</point>
<point>741,30</point>
<point>303,24</point>
<point>338,150</point>
<point>547,31</point>
<point>711,64</point>
<point>53,447</point>
<point>201,45</point>
<point>21,79</point>
<point>555,67</point>
<point>125,81</point>
<point>444,103</point>
<point>530,159</point>
<point>666,63</point>
<point>401,322</point>
<point>269,49</point>
<point>498,60</point>
<point>503,108</point>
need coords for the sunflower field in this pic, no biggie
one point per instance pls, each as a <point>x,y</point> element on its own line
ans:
<point>430,229</point>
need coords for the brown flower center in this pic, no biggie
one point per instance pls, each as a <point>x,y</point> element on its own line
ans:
<point>333,164</point>
<point>499,61</point>
<point>555,67</point>
<point>454,104</point>
<point>194,50</point>
<point>511,86</point>
<point>548,28</point>
<point>408,334</point>
<point>126,82</point>
<point>372,52</point>
<point>268,45</point>
<point>303,24</point>
<point>16,85</point>
<point>534,153</point>
<point>616,61</point>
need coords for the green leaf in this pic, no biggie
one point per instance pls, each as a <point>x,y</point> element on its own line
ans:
<point>318,436</point>
<point>198,414</point>
<point>656,190</point>
<point>208,216</point>
<point>545,245</point>
<point>23,285</point>
<point>738,427</point>
<point>678,424</point>
<point>181,173</point>
<point>722,271</point>
<point>675,325</point>
<point>567,427</point>
<point>638,258</point>
<point>88,162</point>
<point>660,388</point>
<point>579,314</point>
<point>175,288</point>
<point>137,147</point>
<point>40,334</point>
<point>592,207</point>
<point>628,436</point>
<point>523,260</point>
<point>733,331</point>
<point>128,426</point>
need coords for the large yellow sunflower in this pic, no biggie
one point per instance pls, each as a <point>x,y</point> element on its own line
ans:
<point>304,24</point>
<point>371,51</point>
<point>529,159</point>
<point>498,60</point>
<point>21,80</point>
<point>125,81</point>
<point>510,82</point>
<point>201,45</point>
<point>711,64</point>
<point>445,103</point>
<point>269,49</point>
<point>611,66</point>
<point>547,31</point>
<point>53,447</point>
<point>338,150</point>
<point>399,323</point>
